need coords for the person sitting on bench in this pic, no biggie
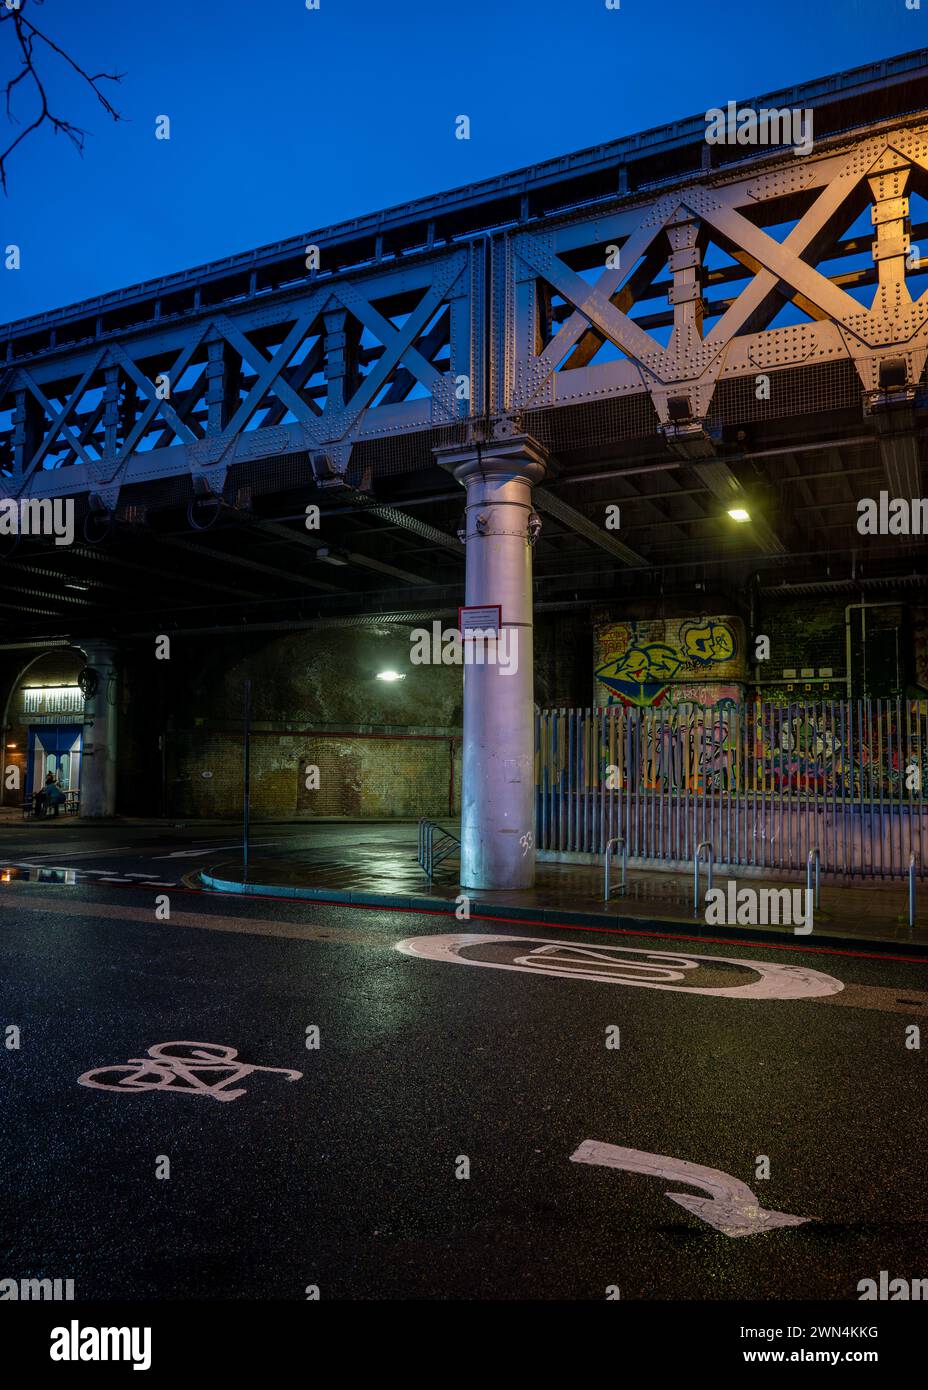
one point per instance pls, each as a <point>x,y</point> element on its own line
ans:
<point>50,795</point>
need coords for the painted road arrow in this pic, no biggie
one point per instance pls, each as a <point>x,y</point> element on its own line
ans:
<point>732,1208</point>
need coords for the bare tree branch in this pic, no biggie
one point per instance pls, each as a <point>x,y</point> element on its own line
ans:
<point>26,36</point>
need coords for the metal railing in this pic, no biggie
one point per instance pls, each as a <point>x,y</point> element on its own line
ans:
<point>433,852</point>
<point>616,840</point>
<point>814,857</point>
<point>766,783</point>
<point>912,863</point>
<point>707,846</point>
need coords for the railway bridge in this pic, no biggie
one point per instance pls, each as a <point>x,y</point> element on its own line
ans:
<point>662,399</point>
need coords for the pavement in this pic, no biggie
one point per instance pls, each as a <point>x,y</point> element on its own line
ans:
<point>374,863</point>
<point>377,864</point>
<point>424,1107</point>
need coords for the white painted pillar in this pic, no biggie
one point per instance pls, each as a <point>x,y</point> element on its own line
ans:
<point>498,792</point>
<point>98,755</point>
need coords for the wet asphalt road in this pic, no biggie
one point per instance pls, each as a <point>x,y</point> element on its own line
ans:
<point>346,1178</point>
<point>145,853</point>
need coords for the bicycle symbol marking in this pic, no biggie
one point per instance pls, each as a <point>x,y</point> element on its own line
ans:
<point>162,1070</point>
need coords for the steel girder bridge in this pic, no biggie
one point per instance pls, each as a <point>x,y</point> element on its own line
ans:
<point>674,325</point>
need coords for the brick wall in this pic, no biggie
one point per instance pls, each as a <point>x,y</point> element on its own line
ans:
<point>809,636</point>
<point>382,749</point>
<point>401,775</point>
<point>392,749</point>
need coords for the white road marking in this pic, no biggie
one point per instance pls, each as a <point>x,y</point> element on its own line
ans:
<point>160,1070</point>
<point>657,970</point>
<point>92,853</point>
<point>732,1207</point>
<point>21,865</point>
<point>192,853</point>
<point>210,849</point>
<point>101,875</point>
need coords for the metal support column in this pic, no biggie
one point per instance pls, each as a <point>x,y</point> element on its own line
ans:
<point>98,756</point>
<point>497,805</point>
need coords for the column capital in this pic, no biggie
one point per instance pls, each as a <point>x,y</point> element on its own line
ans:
<point>519,456</point>
<point>97,650</point>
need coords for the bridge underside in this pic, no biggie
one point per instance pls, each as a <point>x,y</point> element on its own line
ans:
<point>395,548</point>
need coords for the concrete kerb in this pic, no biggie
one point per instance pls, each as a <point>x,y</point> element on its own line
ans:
<point>666,926</point>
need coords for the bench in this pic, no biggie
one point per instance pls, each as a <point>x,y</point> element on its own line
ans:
<point>71,805</point>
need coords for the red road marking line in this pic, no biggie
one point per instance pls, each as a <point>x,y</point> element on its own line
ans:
<point>565,926</point>
<point>535,922</point>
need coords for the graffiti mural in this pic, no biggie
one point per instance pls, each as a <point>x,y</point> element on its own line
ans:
<point>764,784</point>
<point>660,661</point>
<point>859,752</point>
<point>693,750</point>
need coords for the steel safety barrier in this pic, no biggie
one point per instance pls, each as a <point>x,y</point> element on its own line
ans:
<point>766,783</point>
<point>616,840</point>
<point>814,857</point>
<point>697,857</point>
<point>433,852</point>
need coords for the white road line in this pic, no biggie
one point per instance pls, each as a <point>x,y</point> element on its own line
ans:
<point>93,853</point>
<point>732,1207</point>
<point>193,853</point>
<point>210,849</point>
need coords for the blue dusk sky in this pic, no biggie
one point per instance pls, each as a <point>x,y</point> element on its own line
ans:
<point>284,120</point>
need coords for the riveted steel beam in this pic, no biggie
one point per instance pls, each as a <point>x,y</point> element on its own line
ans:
<point>349,557</point>
<point>575,521</point>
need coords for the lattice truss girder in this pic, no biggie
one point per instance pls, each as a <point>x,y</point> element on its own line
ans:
<point>572,296</point>
<point>704,273</point>
<point>318,369</point>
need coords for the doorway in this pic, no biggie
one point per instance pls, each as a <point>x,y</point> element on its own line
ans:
<point>56,749</point>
